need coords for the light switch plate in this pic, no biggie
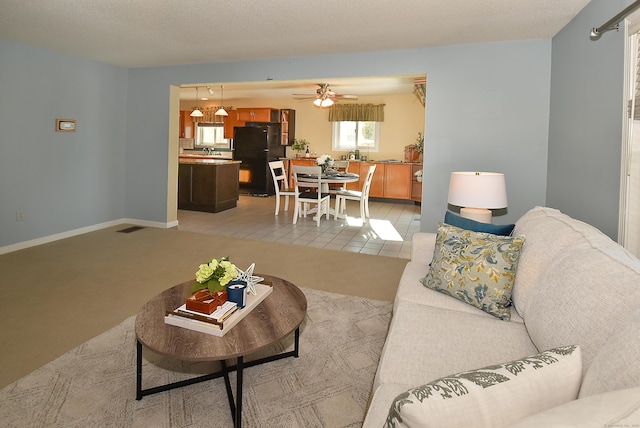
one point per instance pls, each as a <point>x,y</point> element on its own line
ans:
<point>65,125</point>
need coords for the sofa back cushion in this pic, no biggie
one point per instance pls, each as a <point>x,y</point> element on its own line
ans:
<point>586,290</point>
<point>547,238</point>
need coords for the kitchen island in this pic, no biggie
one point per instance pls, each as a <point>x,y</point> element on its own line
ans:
<point>207,184</point>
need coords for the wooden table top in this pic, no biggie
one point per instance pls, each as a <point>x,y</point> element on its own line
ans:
<point>273,319</point>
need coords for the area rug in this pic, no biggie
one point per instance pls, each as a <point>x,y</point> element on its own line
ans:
<point>327,386</point>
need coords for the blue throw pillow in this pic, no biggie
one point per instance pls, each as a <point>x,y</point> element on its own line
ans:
<point>476,226</point>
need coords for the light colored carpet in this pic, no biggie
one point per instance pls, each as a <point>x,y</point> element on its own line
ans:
<point>327,386</point>
<point>56,296</point>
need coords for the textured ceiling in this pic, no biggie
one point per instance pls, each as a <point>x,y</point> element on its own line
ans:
<point>149,33</point>
<point>144,33</point>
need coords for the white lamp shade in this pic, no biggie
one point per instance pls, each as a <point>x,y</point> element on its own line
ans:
<point>196,113</point>
<point>478,190</point>
<point>221,112</point>
<point>323,102</point>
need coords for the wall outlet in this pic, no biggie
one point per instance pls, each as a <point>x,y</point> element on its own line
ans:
<point>19,216</point>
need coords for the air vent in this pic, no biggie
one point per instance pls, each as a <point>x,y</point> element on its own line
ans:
<point>131,229</point>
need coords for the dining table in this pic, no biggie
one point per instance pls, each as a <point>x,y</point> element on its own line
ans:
<point>331,176</point>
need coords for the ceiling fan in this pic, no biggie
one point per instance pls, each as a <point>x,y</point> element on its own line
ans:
<point>324,96</point>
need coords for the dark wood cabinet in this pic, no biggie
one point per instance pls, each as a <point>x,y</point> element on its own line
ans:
<point>208,187</point>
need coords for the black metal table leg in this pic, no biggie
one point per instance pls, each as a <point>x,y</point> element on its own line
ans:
<point>138,370</point>
<point>235,405</point>
<point>239,370</point>
<point>227,384</point>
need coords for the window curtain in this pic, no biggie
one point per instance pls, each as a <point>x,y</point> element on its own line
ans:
<point>357,113</point>
<point>629,227</point>
<point>634,104</point>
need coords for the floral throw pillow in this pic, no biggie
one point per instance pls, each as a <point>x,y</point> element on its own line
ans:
<point>475,267</point>
<point>492,396</point>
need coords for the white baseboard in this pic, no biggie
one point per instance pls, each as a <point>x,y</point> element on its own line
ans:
<point>83,230</point>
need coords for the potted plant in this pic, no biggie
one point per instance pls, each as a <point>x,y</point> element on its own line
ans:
<point>299,145</point>
<point>419,145</point>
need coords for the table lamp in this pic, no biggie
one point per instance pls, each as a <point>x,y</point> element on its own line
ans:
<point>477,193</point>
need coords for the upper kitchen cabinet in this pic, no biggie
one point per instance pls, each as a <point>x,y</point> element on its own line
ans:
<point>230,122</point>
<point>258,114</point>
<point>186,124</point>
<point>287,126</point>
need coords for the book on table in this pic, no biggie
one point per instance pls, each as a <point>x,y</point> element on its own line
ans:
<point>223,319</point>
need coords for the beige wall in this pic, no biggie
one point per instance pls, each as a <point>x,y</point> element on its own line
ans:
<point>404,118</point>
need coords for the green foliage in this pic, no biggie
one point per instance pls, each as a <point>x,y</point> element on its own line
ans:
<point>419,145</point>
<point>299,145</point>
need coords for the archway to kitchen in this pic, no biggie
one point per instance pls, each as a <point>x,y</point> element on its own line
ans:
<point>404,113</point>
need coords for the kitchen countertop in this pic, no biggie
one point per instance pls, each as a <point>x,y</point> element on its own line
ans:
<point>202,160</point>
<point>363,161</point>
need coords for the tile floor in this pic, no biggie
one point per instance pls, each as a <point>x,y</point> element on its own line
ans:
<point>387,233</point>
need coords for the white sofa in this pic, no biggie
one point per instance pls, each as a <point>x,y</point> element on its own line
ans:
<point>574,286</point>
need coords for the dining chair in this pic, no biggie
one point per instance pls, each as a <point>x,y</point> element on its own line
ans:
<point>310,177</point>
<point>340,166</point>
<point>281,184</point>
<point>354,195</point>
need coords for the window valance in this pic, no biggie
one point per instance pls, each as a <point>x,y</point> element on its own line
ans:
<point>357,113</point>
<point>210,116</point>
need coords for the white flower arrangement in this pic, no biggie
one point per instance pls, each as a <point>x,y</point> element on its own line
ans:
<point>418,175</point>
<point>325,161</point>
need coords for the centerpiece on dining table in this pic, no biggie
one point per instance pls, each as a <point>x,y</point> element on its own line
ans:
<point>325,162</point>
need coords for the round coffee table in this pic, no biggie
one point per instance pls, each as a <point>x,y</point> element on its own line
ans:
<point>279,315</point>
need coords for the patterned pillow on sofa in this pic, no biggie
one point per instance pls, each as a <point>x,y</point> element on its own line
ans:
<point>492,396</point>
<point>475,267</point>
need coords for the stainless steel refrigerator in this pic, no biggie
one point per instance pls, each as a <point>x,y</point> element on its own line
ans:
<point>256,145</point>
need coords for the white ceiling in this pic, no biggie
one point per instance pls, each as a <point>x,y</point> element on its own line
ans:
<point>149,33</point>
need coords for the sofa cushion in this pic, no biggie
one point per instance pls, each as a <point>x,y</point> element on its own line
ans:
<point>426,343</point>
<point>550,235</point>
<point>475,267</point>
<point>476,226</point>
<point>492,396</point>
<point>411,289</point>
<point>614,409</point>
<point>615,365</point>
<point>422,246</point>
<point>584,297</point>
<point>379,403</point>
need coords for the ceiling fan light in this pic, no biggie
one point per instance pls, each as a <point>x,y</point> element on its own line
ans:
<point>222,112</point>
<point>326,103</point>
<point>317,102</point>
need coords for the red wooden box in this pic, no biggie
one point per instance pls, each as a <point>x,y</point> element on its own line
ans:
<point>205,302</point>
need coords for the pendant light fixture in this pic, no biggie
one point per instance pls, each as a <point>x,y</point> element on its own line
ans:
<point>197,112</point>
<point>221,111</point>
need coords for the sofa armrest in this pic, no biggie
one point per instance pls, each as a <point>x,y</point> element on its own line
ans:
<point>422,246</point>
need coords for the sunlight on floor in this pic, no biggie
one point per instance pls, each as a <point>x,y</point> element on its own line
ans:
<point>385,230</point>
<point>387,233</point>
